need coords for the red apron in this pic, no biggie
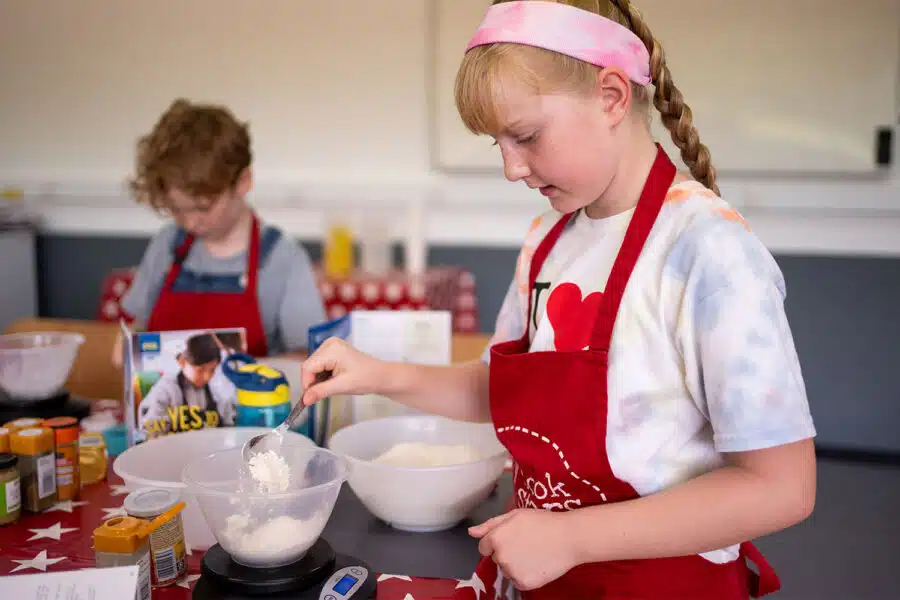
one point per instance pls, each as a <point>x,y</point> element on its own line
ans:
<point>175,310</point>
<point>560,451</point>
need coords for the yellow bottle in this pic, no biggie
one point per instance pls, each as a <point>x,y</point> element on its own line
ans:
<point>339,252</point>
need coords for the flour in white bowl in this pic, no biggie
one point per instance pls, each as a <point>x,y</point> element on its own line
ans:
<point>422,455</point>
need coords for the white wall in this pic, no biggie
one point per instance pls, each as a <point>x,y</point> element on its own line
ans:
<point>340,114</point>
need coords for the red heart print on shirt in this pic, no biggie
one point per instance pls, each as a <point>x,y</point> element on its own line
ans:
<point>572,317</point>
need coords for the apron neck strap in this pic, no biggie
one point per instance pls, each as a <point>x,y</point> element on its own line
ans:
<point>537,261</point>
<point>253,255</point>
<point>652,198</point>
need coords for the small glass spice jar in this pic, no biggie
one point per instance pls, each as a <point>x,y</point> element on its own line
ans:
<point>92,458</point>
<point>10,496</point>
<point>167,545</point>
<point>37,467</point>
<point>66,432</point>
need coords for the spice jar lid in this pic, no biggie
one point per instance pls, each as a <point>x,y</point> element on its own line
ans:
<point>8,461</point>
<point>122,535</point>
<point>35,440</point>
<point>4,439</point>
<point>91,440</point>
<point>65,429</point>
<point>150,502</point>
<point>23,423</point>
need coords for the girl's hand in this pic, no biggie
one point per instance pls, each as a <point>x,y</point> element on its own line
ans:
<point>352,371</point>
<point>531,546</point>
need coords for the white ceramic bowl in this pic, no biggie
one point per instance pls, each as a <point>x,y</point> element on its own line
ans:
<point>414,498</point>
<point>34,366</point>
<point>159,463</point>
<point>267,529</point>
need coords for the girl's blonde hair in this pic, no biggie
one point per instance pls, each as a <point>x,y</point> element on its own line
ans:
<point>485,69</point>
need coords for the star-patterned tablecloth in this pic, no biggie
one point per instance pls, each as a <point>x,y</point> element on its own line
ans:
<point>60,539</point>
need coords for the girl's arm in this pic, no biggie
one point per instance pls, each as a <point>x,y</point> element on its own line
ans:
<point>757,493</point>
<point>457,392</point>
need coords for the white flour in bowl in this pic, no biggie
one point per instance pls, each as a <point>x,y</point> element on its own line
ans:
<point>275,542</point>
<point>252,536</point>
<point>422,455</point>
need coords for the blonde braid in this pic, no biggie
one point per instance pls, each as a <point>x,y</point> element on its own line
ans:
<point>668,100</point>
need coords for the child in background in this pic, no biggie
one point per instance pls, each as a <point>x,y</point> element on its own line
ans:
<point>188,391</point>
<point>642,375</point>
<point>217,266</point>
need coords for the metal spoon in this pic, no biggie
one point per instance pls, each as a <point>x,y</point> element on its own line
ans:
<point>252,446</point>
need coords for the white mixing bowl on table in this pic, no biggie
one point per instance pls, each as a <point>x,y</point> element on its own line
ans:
<point>159,463</point>
<point>420,499</point>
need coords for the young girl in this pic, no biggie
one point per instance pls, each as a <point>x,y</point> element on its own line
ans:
<point>642,375</point>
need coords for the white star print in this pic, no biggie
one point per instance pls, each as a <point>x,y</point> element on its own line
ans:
<point>187,580</point>
<point>40,562</point>
<point>386,576</point>
<point>109,513</point>
<point>118,490</point>
<point>51,533</point>
<point>475,583</point>
<point>66,506</point>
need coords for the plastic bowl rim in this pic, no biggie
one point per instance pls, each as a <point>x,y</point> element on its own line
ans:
<point>195,487</point>
<point>502,452</point>
<point>76,339</point>
<point>180,484</point>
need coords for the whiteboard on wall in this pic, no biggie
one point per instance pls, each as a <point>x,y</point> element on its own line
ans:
<point>329,97</point>
<point>775,86</point>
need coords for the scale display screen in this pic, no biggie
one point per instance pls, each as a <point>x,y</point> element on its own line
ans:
<point>345,584</point>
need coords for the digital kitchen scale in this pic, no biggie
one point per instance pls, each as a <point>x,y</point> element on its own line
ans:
<point>321,574</point>
<point>61,404</point>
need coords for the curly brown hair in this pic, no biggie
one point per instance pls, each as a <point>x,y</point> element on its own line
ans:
<point>480,79</point>
<point>198,149</point>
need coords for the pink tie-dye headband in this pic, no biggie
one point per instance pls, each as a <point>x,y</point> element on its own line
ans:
<point>568,30</point>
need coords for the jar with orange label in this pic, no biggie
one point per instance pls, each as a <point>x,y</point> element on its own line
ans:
<point>37,466</point>
<point>66,432</point>
<point>168,551</point>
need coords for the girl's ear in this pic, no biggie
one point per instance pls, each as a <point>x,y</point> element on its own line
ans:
<point>613,92</point>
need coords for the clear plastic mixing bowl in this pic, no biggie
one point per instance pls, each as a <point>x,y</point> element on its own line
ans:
<point>259,529</point>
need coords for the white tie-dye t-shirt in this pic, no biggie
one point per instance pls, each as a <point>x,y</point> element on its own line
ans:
<point>702,361</point>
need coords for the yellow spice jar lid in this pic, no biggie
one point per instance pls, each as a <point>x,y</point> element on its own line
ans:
<point>4,440</point>
<point>121,535</point>
<point>23,423</point>
<point>36,440</point>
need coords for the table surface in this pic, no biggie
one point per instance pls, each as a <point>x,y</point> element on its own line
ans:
<point>411,566</point>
